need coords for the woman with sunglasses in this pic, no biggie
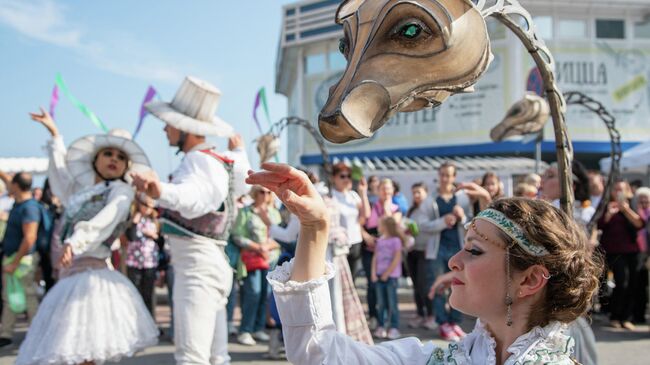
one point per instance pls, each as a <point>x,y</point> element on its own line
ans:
<point>258,250</point>
<point>354,208</point>
<point>521,282</point>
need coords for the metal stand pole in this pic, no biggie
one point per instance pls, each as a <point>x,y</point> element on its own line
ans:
<point>538,152</point>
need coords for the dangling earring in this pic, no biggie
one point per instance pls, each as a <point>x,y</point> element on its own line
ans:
<point>508,300</point>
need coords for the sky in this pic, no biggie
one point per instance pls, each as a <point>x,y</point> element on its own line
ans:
<point>109,52</point>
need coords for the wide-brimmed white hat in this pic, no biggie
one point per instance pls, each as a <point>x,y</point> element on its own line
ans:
<point>82,152</point>
<point>193,109</point>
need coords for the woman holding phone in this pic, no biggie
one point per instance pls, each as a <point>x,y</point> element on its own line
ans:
<point>619,225</point>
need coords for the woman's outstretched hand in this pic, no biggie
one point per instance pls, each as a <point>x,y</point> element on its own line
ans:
<point>46,120</point>
<point>295,190</point>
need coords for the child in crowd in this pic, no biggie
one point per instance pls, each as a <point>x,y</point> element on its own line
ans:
<point>386,270</point>
<point>142,249</point>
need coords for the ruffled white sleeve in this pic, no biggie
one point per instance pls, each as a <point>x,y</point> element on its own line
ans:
<point>311,337</point>
<point>89,235</point>
<point>61,182</point>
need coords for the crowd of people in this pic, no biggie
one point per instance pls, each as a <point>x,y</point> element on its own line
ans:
<point>104,231</point>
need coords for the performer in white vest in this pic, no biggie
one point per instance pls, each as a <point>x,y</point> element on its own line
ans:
<point>198,210</point>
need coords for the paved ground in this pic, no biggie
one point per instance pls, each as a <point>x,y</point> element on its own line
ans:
<point>614,346</point>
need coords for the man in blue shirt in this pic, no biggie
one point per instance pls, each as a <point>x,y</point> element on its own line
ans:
<point>18,246</point>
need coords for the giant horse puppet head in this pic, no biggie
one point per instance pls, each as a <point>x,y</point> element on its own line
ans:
<point>403,55</point>
<point>526,116</point>
<point>406,55</point>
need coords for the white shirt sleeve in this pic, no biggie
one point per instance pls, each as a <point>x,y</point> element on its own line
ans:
<point>200,187</point>
<point>89,235</point>
<point>240,170</point>
<point>289,233</point>
<point>356,198</point>
<point>61,182</point>
<point>311,337</point>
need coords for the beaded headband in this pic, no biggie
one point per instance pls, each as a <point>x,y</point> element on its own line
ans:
<point>513,231</point>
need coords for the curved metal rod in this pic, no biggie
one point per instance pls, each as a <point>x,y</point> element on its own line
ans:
<point>277,128</point>
<point>578,98</point>
<point>520,22</point>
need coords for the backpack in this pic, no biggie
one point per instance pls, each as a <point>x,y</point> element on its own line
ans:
<point>45,227</point>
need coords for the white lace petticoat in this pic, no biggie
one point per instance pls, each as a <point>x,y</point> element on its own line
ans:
<point>94,315</point>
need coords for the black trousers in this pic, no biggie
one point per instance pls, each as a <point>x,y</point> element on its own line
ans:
<point>354,259</point>
<point>45,263</point>
<point>641,296</point>
<point>626,269</point>
<point>144,280</point>
<point>417,269</point>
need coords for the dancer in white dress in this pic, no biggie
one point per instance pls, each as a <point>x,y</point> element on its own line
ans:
<point>522,282</point>
<point>93,314</point>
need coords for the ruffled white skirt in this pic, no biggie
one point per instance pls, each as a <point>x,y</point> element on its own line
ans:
<point>95,315</point>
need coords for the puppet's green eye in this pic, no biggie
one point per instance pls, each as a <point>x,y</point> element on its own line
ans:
<point>343,46</point>
<point>411,30</point>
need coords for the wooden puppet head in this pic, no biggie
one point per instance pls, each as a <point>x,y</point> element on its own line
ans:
<point>403,55</point>
<point>526,116</point>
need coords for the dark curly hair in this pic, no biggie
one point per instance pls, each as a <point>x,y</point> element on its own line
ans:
<point>581,181</point>
<point>574,269</point>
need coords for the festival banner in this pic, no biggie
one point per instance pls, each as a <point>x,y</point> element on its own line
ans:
<point>260,99</point>
<point>84,109</point>
<point>54,100</point>
<point>149,95</point>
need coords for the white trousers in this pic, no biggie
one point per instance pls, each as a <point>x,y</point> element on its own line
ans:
<point>202,282</point>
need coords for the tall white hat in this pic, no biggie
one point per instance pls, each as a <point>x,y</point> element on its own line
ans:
<point>193,109</point>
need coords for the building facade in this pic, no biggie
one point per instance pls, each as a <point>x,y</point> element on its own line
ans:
<point>601,47</point>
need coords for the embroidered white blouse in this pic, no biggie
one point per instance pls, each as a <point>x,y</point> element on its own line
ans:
<point>311,337</point>
<point>88,236</point>
<point>200,183</point>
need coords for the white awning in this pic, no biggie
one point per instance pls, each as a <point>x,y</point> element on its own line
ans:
<point>33,165</point>
<point>501,165</point>
<point>634,160</point>
<point>409,170</point>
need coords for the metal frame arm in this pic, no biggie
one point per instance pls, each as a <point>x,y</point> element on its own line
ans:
<point>578,98</point>
<point>520,22</point>
<point>278,127</point>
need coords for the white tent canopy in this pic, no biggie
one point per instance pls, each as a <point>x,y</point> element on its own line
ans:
<point>634,160</point>
<point>33,165</point>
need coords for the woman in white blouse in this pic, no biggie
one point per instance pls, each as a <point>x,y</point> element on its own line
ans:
<point>354,208</point>
<point>93,314</point>
<point>522,283</point>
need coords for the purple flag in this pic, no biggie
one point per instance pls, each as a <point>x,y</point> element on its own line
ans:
<point>151,92</point>
<point>54,100</point>
<point>257,104</point>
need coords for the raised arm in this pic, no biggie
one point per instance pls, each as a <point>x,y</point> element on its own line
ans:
<point>301,289</point>
<point>5,177</point>
<point>631,215</point>
<point>364,207</point>
<point>237,152</point>
<point>61,182</point>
